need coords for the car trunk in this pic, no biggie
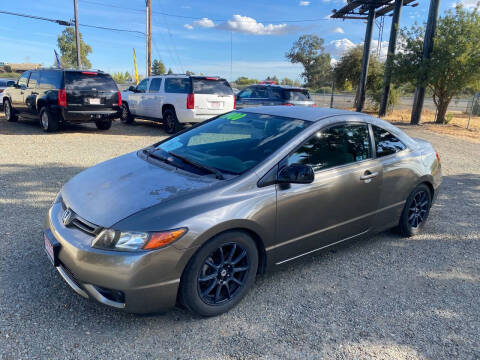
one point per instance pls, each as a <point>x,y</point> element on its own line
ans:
<point>212,96</point>
<point>90,91</point>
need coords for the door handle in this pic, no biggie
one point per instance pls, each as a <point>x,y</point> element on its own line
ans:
<point>368,175</point>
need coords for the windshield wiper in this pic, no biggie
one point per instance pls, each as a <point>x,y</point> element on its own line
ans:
<point>156,157</point>
<point>212,170</point>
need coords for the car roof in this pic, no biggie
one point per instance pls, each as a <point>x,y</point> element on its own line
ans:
<point>300,112</point>
<point>286,87</point>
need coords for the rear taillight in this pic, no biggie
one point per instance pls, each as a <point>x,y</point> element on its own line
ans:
<point>287,104</point>
<point>314,105</point>
<point>62,98</point>
<point>234,102</point>
<point>438,157</point>
<point>119,94</point>
<point>190,101</point>
<point>89,73</point>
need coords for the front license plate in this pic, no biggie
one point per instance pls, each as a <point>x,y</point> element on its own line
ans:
<point>215,104</point>
<point>94,101</point>
<point>51,249</point>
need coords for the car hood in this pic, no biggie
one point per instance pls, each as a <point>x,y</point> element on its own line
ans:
<point>115,189</point>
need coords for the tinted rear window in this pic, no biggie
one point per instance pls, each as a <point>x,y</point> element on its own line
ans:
<point>297,95</point>
<point>50,79</point>
<point>178,85</point>
<point>206,86</point>
<point>83,81</point>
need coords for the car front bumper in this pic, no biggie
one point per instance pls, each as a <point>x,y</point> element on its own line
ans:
<point>137,282</point>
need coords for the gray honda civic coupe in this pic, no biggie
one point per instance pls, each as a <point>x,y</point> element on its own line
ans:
<point>194,218</point>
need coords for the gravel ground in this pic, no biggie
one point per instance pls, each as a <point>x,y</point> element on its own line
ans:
<point>382,298</point>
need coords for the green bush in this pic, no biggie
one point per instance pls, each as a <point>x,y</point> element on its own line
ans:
<point>376,98</point>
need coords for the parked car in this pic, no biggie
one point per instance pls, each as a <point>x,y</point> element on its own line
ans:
<point>5,83</point>
<point>56,95</point>
<point>177,99</point>
<point>257,95</point>
<point>195,217</point>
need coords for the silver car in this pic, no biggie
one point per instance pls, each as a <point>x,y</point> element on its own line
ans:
<point>196,217</point>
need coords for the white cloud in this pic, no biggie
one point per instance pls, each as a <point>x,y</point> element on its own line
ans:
<point>337,48</point>
<point>248,25</point>
<point>304,3</point>
<point>468,4</point>
<point>338,30</point>
<point>243,24</point>
<point>204,22</point>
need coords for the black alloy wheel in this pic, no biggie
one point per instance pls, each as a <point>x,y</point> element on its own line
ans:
<point>416,211</point>
<point>223,273</point>
<point>220,273</point>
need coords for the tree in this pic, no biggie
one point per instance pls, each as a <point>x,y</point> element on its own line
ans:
<point>122,78</point>
<point>308,50</point>
<point>244,81</point>
<point>158,68</point>
<point>286,81</point>
<point>68,49</point>
<point>170,72</point>
<point>189,73</point>
<point>455,59</point>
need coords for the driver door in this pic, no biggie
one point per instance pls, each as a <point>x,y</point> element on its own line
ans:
<point>18,93</point>
<point>136,99</point>
<point>341,201</point>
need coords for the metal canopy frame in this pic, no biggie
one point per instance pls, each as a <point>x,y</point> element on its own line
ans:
<point>369,10</point>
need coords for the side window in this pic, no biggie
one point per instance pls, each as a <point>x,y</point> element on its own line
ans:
<point>245,94</point>
<point>50,79</point>
<point>24,79</point>
<point>142,86</point>
<point>260,92</point>
<point>335,146</point>
<point>386,143</point>
<point>178,85</point>
<point>32,82</point>
<point>155,85</point>
<point>277,93</point>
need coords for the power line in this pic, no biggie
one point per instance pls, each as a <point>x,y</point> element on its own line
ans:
<point>202,17</point>
<point>68,23</point>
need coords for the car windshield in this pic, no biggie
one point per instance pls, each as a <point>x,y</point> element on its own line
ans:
<point>211,86</point>
<point>88,80</point>
<point>297,95</point>
<point>234,142</point>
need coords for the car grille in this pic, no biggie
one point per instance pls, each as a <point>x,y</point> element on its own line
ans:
<point>82,224</point>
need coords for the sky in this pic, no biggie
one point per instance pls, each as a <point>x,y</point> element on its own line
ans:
<point>204,37</point>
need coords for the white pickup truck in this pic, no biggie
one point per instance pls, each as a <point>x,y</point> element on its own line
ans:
<point>177,99</point>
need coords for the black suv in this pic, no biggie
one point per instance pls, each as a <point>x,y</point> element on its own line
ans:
<point>58,95</point>
<point>258,95</point>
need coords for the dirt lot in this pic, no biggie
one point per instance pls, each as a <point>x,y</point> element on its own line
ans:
<point>383,298</point>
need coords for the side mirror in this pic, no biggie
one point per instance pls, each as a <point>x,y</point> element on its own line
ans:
<point>296,174</point>
<point>132,88</point>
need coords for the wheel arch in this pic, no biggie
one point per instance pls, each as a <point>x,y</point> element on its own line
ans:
<point>167,106</point>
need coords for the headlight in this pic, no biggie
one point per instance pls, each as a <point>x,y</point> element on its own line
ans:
<point>131,241</point>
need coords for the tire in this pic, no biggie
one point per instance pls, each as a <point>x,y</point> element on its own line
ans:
<point>103,124</point>
<point>8,110</point>
<point>416,211</point>
<point>225,282</point>
<point>48,121</point>
<point>125,115</point>
<point>170,121</point>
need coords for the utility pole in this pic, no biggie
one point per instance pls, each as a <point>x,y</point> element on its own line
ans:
<point>77,35</point>
<point>149,36</point>
<point>391,53</point>
<point>427,52</point>
<point>366,59</point>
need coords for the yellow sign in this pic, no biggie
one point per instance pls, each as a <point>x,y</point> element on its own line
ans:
<point>135,65</point>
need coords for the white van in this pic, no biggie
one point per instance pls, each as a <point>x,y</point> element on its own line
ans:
<point>177,99</point>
